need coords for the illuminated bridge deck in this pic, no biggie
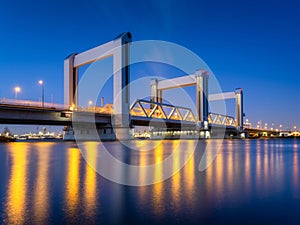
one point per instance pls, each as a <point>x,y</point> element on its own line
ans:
<point>142,113</point>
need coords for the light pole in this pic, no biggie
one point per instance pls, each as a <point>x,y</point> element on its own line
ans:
<point>41,82</point>
<point>17,90</point>
<point>90,105</point>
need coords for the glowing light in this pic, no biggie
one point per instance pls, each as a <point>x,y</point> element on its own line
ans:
<point>41,82</point>
<point>72,107</point>
<point>17,89</point>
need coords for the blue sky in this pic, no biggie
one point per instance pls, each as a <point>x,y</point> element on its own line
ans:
<point>250,44</point>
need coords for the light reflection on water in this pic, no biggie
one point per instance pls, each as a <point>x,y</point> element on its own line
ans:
<point>18,184</point>
<point>46,183</point>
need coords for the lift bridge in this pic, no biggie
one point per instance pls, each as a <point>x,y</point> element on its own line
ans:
<point>115,122</point>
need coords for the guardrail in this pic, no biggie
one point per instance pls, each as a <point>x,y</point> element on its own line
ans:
<point>29,103</point>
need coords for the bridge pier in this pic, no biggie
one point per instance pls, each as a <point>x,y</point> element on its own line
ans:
<point>88,133</point>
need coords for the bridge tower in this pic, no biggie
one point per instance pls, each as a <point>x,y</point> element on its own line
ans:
<point>119,50</point>
<point>202,97</point>
<point>199,79</point>
<point>156,94</point>
<point>239,108</point>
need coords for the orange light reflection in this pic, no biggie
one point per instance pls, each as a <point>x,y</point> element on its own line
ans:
<point>17,188</point>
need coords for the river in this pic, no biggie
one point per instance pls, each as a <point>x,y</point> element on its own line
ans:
<point>248,182</point>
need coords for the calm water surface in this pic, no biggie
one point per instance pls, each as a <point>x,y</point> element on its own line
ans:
<point>250,182</point>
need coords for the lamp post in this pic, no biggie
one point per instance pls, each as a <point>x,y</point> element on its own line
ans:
<point>17,90</point>
<point>90,105</point>
<point>41,82</point>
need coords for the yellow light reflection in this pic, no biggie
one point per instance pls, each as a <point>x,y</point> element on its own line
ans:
<point>17,188</point>
<point>142,190</point>
<point>189,171</point>
<point>41,201</point>
<point>210,170</point>
<point>176,177</point>
<point>90,178</point>
<point>72,182</point>
<point>219,170</point>
<point>230,165</point>
<point>158,175</point>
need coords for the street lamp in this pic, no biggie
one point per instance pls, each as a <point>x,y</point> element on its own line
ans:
<point>90,105</point>
<point>17,90</point>
<point>41,82</point>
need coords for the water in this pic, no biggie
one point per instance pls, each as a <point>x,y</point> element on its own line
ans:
<point>250,182</point>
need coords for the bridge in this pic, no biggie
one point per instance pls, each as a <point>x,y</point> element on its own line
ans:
<point>114,121</point>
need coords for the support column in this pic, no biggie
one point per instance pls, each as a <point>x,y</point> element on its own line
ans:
<point>121,80</point>
<point>239,108</point>
<point>70,82</point>
<point>202,96</point>
<point>156,95</point>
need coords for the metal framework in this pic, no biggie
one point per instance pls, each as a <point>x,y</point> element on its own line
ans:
<point>149,109</point>
<point>119,50</point>
<point>199,79</point>
<point>238,96</point>
<point>219,119</point>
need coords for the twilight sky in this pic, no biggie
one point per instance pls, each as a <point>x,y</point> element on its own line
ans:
<point>250,44</point>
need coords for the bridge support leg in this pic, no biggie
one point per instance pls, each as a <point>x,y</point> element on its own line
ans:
<point>202,97</point>
<point>121,60</point>
<point>70,82</point>
<point>239,109</point>
<point>85,132</point>
<point>156,95</point>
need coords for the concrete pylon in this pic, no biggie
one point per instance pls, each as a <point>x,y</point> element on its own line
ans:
<point>239,108</point>
<point>202,96</point>
<point>121,82</point>
<point>156,94</point>
<point>70,82</point>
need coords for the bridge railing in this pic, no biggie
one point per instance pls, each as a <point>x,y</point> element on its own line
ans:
<point>107,109</point>
<point>29,103</point>
<point>148,109</point>
<point>219,119</point>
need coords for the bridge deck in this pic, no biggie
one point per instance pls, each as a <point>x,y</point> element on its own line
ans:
<point>143,113</point>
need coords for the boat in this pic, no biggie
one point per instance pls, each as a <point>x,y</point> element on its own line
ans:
<point>41,136</point>
<point>4,138</point>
